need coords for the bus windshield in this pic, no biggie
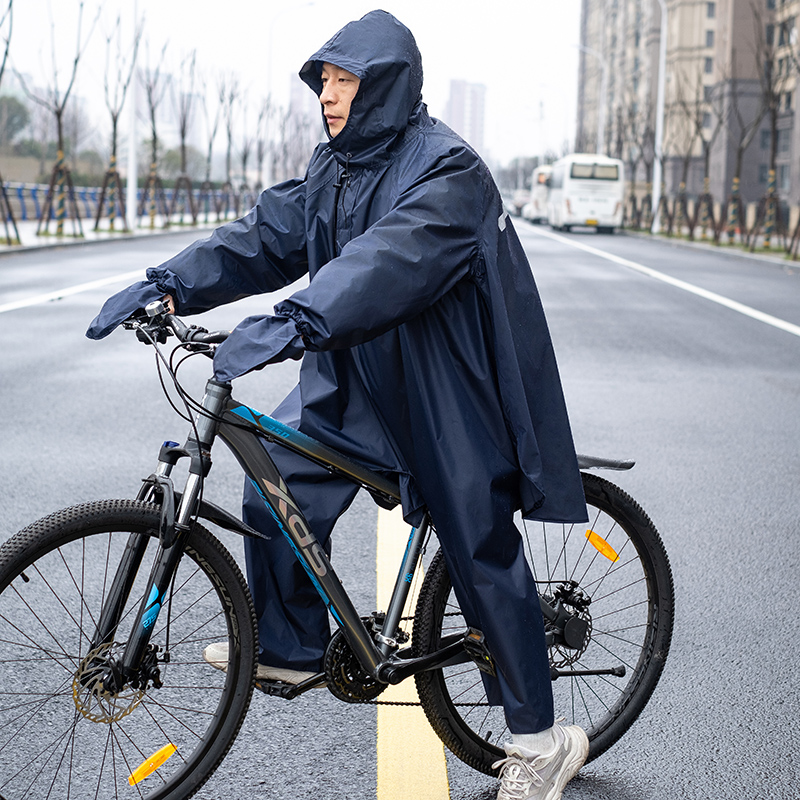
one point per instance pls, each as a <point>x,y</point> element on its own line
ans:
<point>601,172</point>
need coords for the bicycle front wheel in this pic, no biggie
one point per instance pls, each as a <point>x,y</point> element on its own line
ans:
<point>617,561</point>
<point>62,734</point>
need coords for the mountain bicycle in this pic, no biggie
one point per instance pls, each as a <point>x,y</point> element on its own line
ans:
<point>106,607</point>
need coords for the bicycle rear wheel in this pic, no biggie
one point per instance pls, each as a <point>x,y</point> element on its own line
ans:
<point>617,560</point>
<point>63,737</point>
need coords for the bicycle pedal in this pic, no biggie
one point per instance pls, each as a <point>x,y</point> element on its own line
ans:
<point>272,688</point>
<point>475,645</point>
<point>288,691</point>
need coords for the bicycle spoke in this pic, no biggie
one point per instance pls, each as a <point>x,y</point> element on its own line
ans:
<point>620,610</point>
<point>609,582</point>
<point>80,743</point>
<point>33,716</point>
<point>59,600</point>
<point>43,625</point>
<point>50,745</point>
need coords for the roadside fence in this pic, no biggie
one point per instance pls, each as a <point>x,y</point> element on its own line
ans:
<point>28,200</point>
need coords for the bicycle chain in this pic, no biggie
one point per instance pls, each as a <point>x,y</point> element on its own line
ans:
<point>409,703</point>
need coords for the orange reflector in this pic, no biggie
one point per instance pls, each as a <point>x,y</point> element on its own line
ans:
<point>149,766</point>
<point>601,545</point>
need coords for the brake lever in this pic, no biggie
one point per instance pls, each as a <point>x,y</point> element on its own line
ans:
<point>150,332</point>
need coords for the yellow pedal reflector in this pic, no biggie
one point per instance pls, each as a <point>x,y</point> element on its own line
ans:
<point>601,545</point>
<point>150,765</point>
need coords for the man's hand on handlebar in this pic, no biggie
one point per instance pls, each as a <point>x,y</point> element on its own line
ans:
<point>157,321</point>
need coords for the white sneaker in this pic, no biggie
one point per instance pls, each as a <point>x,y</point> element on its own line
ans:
<point>217,655</point>
<point>526,775</point>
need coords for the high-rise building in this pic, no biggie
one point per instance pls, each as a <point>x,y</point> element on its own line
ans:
<point>731,69</point>
<point>465,111</point>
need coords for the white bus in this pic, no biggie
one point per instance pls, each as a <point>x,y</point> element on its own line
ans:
<point>586,189</point>
<point>535,209</point>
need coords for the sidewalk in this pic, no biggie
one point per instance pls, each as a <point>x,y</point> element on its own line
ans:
<point>779,257</point>
<point>30,241</point>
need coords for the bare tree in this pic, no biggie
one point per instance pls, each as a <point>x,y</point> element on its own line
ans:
<point>705,113</point>
<point>794,56</point>
<point>116,82</point>
<point>672,142</point>
<point>773,79</point>
<point>304,137</point>
<point>155,86</point>
<point>685,129</point>
<point>212,120</point>
<point>742,129</point>
<point>6,25</point>
<point>42,130</point>
<point>262,140</point>
<point>230,95</point>
<point>247,142</point>
<point>55,101</point>
<point>183,101</point>
<point>647,140</point>
<point>297,137</point>
<point>633,125</point>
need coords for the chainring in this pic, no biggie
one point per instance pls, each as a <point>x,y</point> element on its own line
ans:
<point>346,678</point>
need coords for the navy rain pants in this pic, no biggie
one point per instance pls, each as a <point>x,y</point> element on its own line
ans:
<point>485,559</point>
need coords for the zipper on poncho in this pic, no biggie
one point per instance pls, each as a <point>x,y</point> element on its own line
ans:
<point>342,182</point>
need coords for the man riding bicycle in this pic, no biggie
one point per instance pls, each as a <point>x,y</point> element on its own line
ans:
<point>426,355</point>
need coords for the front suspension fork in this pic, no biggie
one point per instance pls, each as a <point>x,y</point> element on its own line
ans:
<point>174,530</point>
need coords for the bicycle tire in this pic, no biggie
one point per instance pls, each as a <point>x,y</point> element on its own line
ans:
<point>57,740</point>
<point>631,617</point>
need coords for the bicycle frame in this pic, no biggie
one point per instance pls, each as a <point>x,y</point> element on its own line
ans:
<point>242,429</point>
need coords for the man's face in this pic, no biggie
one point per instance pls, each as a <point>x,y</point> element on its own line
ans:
<point>339,87</point>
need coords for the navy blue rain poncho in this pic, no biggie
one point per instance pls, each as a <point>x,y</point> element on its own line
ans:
<point>420,299</point>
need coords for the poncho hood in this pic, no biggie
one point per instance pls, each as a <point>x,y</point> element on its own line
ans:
<point>382,52</point>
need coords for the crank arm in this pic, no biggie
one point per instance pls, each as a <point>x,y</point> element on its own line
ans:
<point>465,647</point>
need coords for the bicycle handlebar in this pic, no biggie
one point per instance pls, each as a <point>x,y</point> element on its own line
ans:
<point>159,323</point>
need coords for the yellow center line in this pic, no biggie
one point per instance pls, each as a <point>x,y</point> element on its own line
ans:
<point>411,762</point>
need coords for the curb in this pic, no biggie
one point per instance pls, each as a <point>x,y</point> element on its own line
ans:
<point>776,260</point>
<point>67,241</point>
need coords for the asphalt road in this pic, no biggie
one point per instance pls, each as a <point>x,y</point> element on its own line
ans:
<point>703,397</point>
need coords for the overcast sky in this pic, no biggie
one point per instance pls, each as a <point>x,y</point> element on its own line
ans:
<point>524,51</point>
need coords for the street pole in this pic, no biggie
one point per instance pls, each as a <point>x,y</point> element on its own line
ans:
<point>659,138</point>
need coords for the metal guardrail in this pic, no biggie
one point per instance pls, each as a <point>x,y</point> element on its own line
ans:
<point>29,199</point>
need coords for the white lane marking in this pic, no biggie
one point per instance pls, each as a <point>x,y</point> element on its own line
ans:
<point>776,322</point>
<point>411,760</point>
<point>70,290</point>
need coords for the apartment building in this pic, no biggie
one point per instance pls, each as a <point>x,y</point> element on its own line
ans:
<point>731,70</point>
<point>465,112</point>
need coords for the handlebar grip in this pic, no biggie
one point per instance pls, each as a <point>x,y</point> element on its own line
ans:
<point>213,337</point>
<point>194,333</point>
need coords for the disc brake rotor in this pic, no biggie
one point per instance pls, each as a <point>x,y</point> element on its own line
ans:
<point>91,697</point>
